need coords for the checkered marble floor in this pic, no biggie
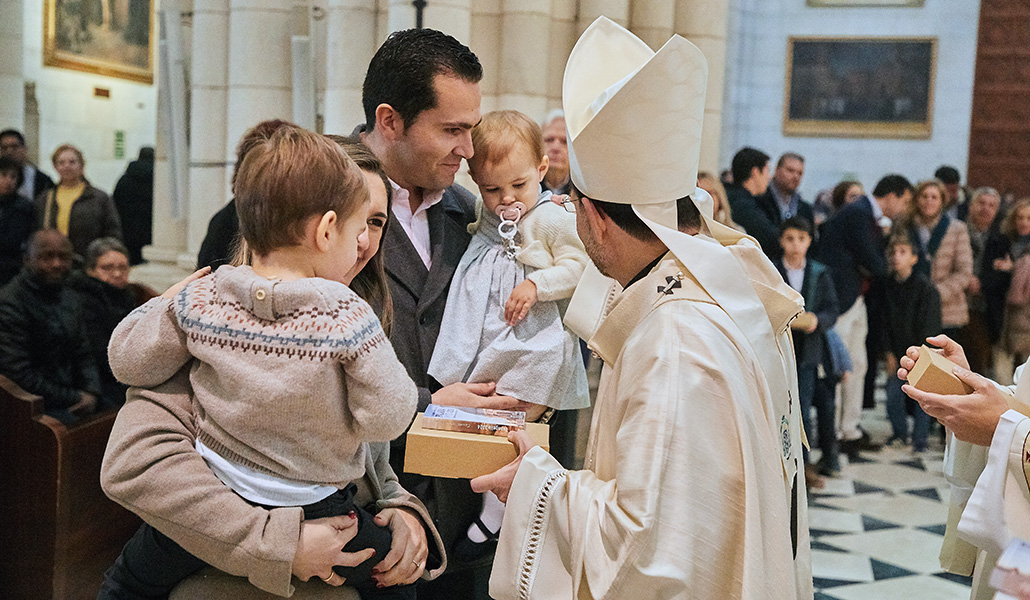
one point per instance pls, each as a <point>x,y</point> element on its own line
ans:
<point>877,529</point>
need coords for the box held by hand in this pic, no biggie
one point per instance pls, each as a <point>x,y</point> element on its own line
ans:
<point>459,455</point>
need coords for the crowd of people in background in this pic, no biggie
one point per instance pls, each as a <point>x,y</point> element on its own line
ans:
<point>907,261</point>
<point>64,274</point>
<point>972,245</point>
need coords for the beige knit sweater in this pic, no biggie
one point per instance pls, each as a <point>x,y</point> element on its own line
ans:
<point>290,377</point>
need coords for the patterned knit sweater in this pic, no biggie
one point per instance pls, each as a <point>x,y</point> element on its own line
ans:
<point>290,377</point>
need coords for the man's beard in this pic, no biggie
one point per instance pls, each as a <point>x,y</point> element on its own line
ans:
<point>598,254</point>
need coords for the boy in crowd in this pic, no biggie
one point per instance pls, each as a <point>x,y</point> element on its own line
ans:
<point>908,306</point>
<point>812,280</point>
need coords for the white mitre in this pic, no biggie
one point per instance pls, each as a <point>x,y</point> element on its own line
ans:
<point>634,119</point>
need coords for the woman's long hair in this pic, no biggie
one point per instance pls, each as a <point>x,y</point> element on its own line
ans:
<point>370,283</point>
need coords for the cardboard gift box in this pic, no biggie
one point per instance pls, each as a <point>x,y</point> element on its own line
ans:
<point>933,373</point>
<point>462,455</point>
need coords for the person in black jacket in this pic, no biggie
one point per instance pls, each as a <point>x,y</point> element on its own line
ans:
<point>16,220</point>
<point>909,307</point>
<point>812,280</point>
<point>34,182</point>
<point>750,182</point>
<point>852,245</point>
<point>134,198</point>
<point>223,230</point>
<point>43,347</point>
<point>106,299</point>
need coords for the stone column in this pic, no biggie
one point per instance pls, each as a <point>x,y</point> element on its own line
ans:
<point>167,261</point>
<point>350,43</point>
<point>589,10</point>
<point>704,22</point>
<point>652,21</point>
<point>524,59</point>
<point>209,92</point>
<point>259,76</point>
<point>453,17</point>
<point>486,37</point>
<point>564,33</point>
<point>12,86</point>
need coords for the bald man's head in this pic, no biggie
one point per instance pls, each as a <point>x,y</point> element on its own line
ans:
<point>49,256</point>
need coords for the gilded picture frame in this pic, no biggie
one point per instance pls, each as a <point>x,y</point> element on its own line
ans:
<point>107,37</point>
<point>850,3</point>
<point>860,87</point>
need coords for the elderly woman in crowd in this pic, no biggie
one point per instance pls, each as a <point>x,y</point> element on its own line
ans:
<point>1016,261</point>
<point>76,208</point>
<point>107,297</point>
<point>944,252</point>
<point>986,289</point>
<point>182,497</point>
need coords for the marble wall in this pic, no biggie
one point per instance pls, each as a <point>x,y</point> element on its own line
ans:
<point>756,70</point>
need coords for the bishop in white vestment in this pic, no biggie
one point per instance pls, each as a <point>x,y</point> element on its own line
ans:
<point>691,487</point>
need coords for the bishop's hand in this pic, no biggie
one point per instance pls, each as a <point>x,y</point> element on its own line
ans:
<point>499,482</point>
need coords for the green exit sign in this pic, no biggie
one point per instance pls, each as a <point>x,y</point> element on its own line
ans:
<point>119,145</point>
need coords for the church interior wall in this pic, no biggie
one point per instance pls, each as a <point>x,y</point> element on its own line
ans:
<point>69,112</point>
<point>756,72</point>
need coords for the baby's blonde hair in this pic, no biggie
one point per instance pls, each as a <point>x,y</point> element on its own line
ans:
<point>501,133</point>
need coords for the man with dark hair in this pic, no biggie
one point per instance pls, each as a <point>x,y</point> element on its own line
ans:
<point>957,202</point>
<point>750,183</point>
<point>852,245</point>
<point>676,446</point>
<point>43,346</point>
<point>34,182</point>
<point>421,99</point>
<point>17,219</point>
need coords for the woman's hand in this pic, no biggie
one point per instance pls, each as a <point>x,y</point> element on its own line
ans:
<point>1003,264</point>
<point>946,346</point>
<point>175,289</point>
<point>320,548</point>
<point>408,553</point>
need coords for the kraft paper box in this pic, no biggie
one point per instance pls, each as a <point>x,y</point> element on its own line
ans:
<point>933,373</point>
<point>462,455</point>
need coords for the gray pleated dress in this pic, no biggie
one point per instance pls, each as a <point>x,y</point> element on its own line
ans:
<point>537,360</point>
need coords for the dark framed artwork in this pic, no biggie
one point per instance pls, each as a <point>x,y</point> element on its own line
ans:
<point>860,87</point>
<point>835,3</point>
<point>107,37</point>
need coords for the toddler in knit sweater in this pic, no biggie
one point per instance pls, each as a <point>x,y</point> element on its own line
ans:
<point>503,319</point>
<point>291,370</point>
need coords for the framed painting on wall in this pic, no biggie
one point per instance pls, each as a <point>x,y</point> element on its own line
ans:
<point>860,87</point>
<point>866,2</point>
<point>107,37</point>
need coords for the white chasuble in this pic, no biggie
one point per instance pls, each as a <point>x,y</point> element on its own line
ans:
<point>685,493</point>
<point>998,509</point>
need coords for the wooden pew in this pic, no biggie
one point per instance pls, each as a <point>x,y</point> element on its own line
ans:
<point>58,531</point>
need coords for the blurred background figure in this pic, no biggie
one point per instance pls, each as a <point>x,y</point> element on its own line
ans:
<point>43,345</point>
<point>134,199</point>
<point>957,196</point>
<point>75,208</point>
<point>1016,328</point>
<point>34,182</point>
<point>106,297</point>
<point>16,219</point>
<point>721,208</point>
<point>556,145</point>
<point>983,330</point>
